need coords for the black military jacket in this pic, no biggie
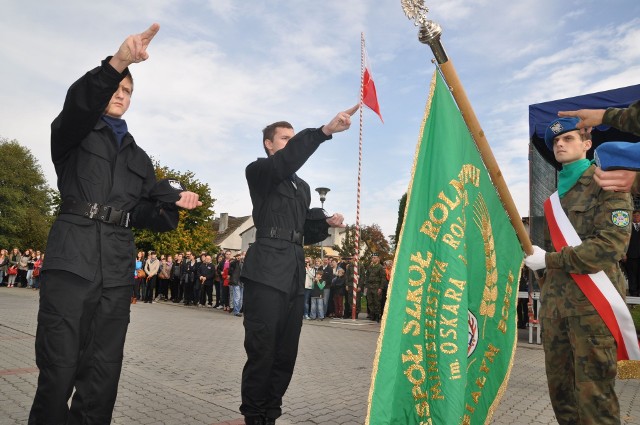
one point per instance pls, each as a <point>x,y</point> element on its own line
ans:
<point>208,270</point>
<point>280,199</point>
<point>91,168</point>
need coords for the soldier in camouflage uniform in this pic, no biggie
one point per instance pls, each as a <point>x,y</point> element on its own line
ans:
<point>375,280</point>
<point>580,352</point>
<point>624,119</point>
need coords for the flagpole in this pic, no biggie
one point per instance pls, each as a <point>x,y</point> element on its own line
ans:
<point>354,303</point>
<point>430,34</point>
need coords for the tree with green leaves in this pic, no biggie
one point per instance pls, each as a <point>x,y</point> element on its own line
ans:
<point>27,203</point>
<point>195,230</point>
<point>373,241</point>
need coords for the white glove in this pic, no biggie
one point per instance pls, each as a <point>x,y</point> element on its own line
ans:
<point>536,261</point>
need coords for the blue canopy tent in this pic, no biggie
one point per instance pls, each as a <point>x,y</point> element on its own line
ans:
<point>542,165</point>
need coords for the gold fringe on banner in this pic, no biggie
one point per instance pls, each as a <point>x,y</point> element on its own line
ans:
<point>374,371</point>
<point>629,369</point>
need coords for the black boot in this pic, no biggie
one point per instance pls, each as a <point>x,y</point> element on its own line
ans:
<point>269,421</point>
<point>254,420</point>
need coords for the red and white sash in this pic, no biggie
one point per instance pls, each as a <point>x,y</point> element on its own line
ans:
<point>597,287</point>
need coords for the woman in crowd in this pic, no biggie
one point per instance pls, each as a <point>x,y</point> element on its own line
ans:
<point>35,275</point>
<point>310,274</point>
<point>139,276</point>
<point>189,279</point>
<point>223,271</point>
<point>23,267</point>
<point>217,280</point>
<point>164,275</point>
<point>4,264</point>
<point>30,262</point>
<point>317,293</point>
<point>337,288</point>
<point>14,259</point>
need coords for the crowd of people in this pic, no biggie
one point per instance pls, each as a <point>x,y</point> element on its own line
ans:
<point>214,282</point>
<point>193,280</point>
<point>329,287</point>
<point>21,269</point>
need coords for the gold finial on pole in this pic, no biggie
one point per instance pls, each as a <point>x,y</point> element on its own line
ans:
<point>429,34</point>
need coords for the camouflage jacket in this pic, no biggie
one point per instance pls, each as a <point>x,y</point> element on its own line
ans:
<point>602,220</point>
<point>376,276</point>
<point>627,119</point>
<point>361,277</point>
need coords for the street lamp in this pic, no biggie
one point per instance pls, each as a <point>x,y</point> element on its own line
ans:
<point>322,191</point>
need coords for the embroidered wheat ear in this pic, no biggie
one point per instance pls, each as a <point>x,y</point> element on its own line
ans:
<point>490,293</point>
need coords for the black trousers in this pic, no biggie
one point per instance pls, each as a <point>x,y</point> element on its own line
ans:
<point>272,324</point>
<point>197,292</point>
<point>151,284</point>
<point>79,343</point>
<point>207,297</point>
<point>188,292</point>
<point>218,291</point>
<point>175,289</point>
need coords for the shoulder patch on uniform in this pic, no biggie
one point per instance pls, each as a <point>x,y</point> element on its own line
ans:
<point>620,218</point>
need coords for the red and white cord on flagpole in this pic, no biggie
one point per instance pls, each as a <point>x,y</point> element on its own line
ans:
<point>354,312</point>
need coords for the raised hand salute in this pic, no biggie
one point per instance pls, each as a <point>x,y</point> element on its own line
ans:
<point>134,49</point>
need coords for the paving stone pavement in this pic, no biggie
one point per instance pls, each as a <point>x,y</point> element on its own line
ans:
<point>183,366</point>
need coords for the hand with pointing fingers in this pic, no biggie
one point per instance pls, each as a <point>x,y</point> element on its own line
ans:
<point>340,122</point>
<point>134,49</point>
<point>588,117</point>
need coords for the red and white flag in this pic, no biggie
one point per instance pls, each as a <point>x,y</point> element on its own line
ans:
<point>369,96</point>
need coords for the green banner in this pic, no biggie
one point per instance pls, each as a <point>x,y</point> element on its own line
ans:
<point>455,274</point>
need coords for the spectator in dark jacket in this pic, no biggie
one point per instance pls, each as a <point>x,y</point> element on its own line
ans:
<point>235,284</point>
<point>176,273</point>
<point>206,273</point>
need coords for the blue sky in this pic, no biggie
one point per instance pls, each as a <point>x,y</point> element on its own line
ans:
<point>220,70</point>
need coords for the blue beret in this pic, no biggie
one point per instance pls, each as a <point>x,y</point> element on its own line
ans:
<point>558,127</point>
<point>618,156</point>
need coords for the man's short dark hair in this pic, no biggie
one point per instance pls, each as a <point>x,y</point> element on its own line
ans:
<point>130,77</point>
<point>269,131</point>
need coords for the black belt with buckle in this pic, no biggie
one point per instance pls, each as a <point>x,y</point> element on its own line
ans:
<point>98,212</point>
<point>280,233</point>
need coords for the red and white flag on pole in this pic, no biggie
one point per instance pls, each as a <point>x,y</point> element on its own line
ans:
<point>369,96</point>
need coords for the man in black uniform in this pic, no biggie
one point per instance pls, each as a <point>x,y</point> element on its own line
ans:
<point>107,184</point>
<point>274,272</point>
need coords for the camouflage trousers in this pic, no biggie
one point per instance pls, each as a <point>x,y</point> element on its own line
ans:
<point>373,301</point>
<point>580,360</point>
